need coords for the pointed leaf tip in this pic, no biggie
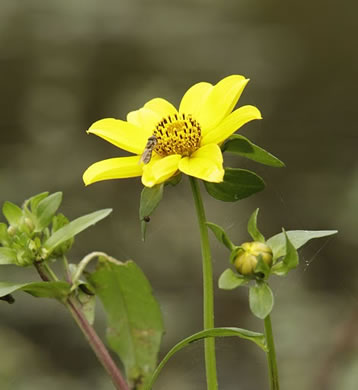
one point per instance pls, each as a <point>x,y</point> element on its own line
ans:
<point>253,229</point>
<point>221,235</point>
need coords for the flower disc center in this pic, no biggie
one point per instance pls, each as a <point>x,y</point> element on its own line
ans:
<point>177,134</point>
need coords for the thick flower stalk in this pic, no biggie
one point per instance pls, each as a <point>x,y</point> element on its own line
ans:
<point>166,141</point>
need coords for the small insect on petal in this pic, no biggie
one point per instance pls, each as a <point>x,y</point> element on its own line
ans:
<point>148,150</point>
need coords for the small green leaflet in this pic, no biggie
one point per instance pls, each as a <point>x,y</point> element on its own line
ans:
<point>46,209</point>
<point>12,213</point>
<point>74,227</point>
<point>253,229</point>
<point>230,280</point>
<point>238,184</point>
<point>238,144</point>
<point>58,290</point>
<point>261,300</point>
<point>297,237</point>
<point>221,235</point>
<point>7,256</point>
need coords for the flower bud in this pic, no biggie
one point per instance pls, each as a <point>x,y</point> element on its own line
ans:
<point>248,255</point>
<point>29,224</point>
<point>12,230</point>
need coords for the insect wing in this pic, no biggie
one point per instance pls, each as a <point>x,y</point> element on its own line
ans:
<point>146,156</point>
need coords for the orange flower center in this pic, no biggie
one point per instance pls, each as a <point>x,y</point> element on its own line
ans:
<point>177,134</point>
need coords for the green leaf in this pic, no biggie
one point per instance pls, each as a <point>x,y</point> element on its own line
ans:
<point>7,256</point>
<point>289,261</point>
<point>229,280</point>
<point>134,321</point>
<point>238,184</point>
<point>261,300</point>
<point>12,213</point>
<point>46,209</point>
<point>257,338</point>
<point>74,227</point>
<point>297,237</point>
<point>221,235</point>
<point>241,145</point>
<point>253,229</point>
<point>57,290</point>
<point>36,199</point>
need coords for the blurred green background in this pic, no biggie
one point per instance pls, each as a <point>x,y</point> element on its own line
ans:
<point>65,64</point>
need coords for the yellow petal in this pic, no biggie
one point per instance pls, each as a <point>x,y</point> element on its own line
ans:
<point>162,107</point>
<point>151,114</point>
<point>145,119</point>
<point>159,170</point>
<point>122,134</point>
<point>211,152</point>
<point>220,101</point>
<point>194,98</point>
<point>230,124</point>
<point>113,168</point>
<point>205,163</point>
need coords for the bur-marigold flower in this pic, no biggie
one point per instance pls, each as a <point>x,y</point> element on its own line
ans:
<point>185,140</point>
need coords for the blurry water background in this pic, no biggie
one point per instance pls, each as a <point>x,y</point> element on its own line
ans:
<point>66,63</point>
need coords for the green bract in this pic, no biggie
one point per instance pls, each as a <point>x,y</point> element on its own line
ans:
<point>256,261</point>
<point>35,232</point>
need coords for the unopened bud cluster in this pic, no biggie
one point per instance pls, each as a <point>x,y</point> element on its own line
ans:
<point>248,256</point>
<point>22,239</point>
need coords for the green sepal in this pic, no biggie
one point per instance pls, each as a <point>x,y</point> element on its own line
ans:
<point>58,290</point>
<point>234,253</point>
<point>134,320</point>
<point>46,209</point>
<point>253,229</point>
<point>221,235</point>
<point>230,280</point>
<point>237,184</point>
<point>149,200</point>
<point>257,338</point>
<point>297,237</point>
<point>12,213</point>
<point>289,261</point>
<point>74,227</point>
<point>262,270</point>
<point>261,300</point>
<point>238,144</point>
<point>7,256</point>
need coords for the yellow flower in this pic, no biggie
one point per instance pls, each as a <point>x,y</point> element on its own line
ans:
<point>166,141</point>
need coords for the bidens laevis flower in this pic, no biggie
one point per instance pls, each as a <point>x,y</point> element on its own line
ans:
<point>166,141</point>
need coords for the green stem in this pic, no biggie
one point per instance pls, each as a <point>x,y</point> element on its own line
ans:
<point>208,288</point>
<point>271,355</point>
<point>90,334</point>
